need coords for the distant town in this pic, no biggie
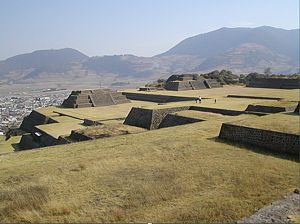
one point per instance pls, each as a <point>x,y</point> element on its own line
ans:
<point>14,108</point>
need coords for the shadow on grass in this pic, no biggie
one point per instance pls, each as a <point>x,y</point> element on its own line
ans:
<point>16,147</point>
<point>292,113</point>
<point>256,149</point>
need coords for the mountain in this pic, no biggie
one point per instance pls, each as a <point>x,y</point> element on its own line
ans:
<point>30,65</point>
<point>242,50</point>
<point>45,59</point>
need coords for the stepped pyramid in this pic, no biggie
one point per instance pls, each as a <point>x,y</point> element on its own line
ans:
<point>94,98</point>
<point>190,82</point>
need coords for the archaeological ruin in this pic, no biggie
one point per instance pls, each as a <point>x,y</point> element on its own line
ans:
<point>115,113</point>
<point>190,82</point>
<point>275,83</point>
<point>94,98</point>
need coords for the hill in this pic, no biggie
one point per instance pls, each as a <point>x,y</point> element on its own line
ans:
<point>32,65</point>
<point>242,50</point>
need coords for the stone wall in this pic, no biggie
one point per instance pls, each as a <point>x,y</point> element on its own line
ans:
<point>217,110</point>
<point>190,82</point>
<point>276,83</point>
<point>89,122</point>
<point>269,109</point>
<point>78,137</point>
<point>157,98</point>
<point>297,110</point>
<point>33,119</point>
<point>139,117</point>
<point>255,97</point>
<point>159,114</point>
<point>171,120</point>
<point>27,142</point>
<point>192,85</point>
<point>149,118</point>
<point>31,140</point>
<point>157,118</point>
<point>94,98</point>
<point>212,83</point>
<point>272,140</point>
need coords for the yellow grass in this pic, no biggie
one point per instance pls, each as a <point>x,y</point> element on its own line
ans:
<point>102,113</point>
<point>280,103</point>
<point>282,122</point>
<point>234,90</point>
<point>177,174</point>
<point>8,146</point>
<point>222,103</point>
<point>209,116</point>
<point>110,130</point>
<point>63,119</point>
<point>58,129</point>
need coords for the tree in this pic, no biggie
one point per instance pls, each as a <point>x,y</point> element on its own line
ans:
<point>267,71</point>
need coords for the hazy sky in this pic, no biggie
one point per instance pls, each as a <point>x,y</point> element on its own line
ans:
<point>140,27</point>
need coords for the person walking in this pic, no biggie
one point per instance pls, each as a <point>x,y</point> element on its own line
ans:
<point>200,99</point>
<point>215,100</point>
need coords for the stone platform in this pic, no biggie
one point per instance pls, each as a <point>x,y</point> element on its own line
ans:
<point>94,98</point>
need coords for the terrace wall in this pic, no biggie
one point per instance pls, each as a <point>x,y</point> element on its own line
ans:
<point>276,83</point>
<point>149,118</point>
<point>254,97</point>
<point>33,119</point>
<point>217,110</point>
<point>272,140</point>
<point>173,120</point>
<point>297,110</point>
<point>269,109</point>
<point>157,98</point>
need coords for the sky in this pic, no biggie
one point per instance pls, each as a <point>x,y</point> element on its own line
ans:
<point>139,27</point>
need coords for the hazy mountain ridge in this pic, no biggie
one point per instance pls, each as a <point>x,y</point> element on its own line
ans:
<point>242,50</point>
<point>213,43</point>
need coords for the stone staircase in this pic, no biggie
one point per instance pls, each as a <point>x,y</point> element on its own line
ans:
<point>94,98</point>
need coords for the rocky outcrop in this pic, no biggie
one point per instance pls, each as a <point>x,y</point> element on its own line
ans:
<point>286,210</point>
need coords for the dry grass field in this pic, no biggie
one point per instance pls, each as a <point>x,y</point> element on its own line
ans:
<point>102,113</point>
<point>234,90</point>
<point>58,129</point>
<point>177,174</point>
<point>110,130</point>
<point>283,122</point>
<point>8,146</point>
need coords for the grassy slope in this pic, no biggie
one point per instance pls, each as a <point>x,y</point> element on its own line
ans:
<point>288,123</point>
<point>110,130</point>
<point>7,146</point>
<point>172,174</point>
